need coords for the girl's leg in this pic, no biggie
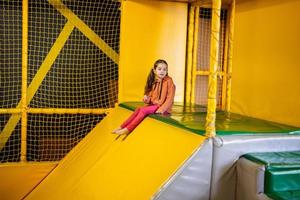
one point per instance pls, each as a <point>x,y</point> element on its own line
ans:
<point>144,111</point>
<point>132,116</point>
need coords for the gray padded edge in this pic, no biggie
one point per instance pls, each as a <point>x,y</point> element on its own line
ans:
<point>250,180</point>
<point>228,149</point>
<point>192,180</point>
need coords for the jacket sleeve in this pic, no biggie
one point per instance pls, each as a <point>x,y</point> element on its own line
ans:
<point>148,100</point>
<point>170,97</point>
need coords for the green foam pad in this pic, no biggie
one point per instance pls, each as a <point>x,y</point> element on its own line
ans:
<point>192,118</point>
<point>282,170</point>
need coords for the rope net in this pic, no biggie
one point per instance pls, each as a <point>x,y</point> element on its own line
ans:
<point>203,56</point>
<point>73,49</point>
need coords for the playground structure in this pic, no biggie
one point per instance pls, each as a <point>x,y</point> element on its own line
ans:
<point>72,70</point>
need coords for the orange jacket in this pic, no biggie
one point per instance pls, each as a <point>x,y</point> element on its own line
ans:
<point>162,94</point>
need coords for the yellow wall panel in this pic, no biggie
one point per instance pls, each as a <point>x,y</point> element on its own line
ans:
<point>151,30</point>
<point>266,70</point>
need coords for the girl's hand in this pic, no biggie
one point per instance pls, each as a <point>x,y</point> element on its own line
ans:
<point>146,99</point>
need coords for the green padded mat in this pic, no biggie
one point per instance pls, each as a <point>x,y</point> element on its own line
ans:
<point>282,173</point>
<point>193,117</point>
<point>287,195</point>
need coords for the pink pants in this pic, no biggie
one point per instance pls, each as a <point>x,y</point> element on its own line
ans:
<point>137,117</point>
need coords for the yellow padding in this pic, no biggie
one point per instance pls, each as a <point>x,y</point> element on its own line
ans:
<point>17,180</point>
<point>105,166</point>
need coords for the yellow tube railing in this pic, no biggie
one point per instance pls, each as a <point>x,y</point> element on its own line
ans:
<point>212,81</point>
<point>24,80</point>
<point>188,87</point>
<point>195,50</point>
<point>230,52</point>
<point>225,67</point>
<point>68,111</point>
<point>57,110</point>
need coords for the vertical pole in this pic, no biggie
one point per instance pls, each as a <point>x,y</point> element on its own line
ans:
<point>225,64</point>
<point>230,52</point>
<point>24,80</point>
<point>120,67</point>
<point>188,77</point>
<point>195,51</point>
<point>212,81</point>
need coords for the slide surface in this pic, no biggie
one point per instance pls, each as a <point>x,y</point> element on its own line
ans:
<point>105,166</point>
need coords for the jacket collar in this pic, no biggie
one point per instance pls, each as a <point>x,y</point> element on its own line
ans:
<point>164,79</point>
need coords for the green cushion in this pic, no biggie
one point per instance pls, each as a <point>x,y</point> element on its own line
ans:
<point>286,195</point>
<point>192,118</point>
<point>282,170</point>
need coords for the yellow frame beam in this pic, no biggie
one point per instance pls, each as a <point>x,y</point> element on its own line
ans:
<point>10,110</point>
<point>68,111</point>
<point>195,52</point>
<point>225,67</point>
<point>230,54</point>
<point>188,82</point>
<point>24,80</point>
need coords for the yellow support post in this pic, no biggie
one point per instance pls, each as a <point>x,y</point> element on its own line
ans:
<point>10,111</point>
<point>188,81</point>
<point>225,66</point>
<point>230,52</point>
<point>212,81</point>
<point>195,50</point>
<point>121,73</point>
<point>24,80</point>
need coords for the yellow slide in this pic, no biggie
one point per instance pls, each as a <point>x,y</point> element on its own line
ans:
<point>105,166</point>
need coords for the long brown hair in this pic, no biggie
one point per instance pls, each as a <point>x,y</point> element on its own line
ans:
<point>151,76</point>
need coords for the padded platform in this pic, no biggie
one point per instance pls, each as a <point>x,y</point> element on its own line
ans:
<point>286,195</point>
<point>228,149</point>
<point>282,173</point>
<point>193,117</point>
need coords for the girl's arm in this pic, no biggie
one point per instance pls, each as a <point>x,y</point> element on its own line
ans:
<point>169,99</point>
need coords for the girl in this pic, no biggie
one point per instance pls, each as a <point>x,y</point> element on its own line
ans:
<point>159,96</point>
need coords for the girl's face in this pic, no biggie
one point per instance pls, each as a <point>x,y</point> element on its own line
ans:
<point>161,70</point>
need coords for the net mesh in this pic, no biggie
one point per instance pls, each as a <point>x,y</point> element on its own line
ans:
<point>74,72</point>
<point>11,55</point>
<point>53,136</point>
<point>11,151</point>
<point>203,56</point>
